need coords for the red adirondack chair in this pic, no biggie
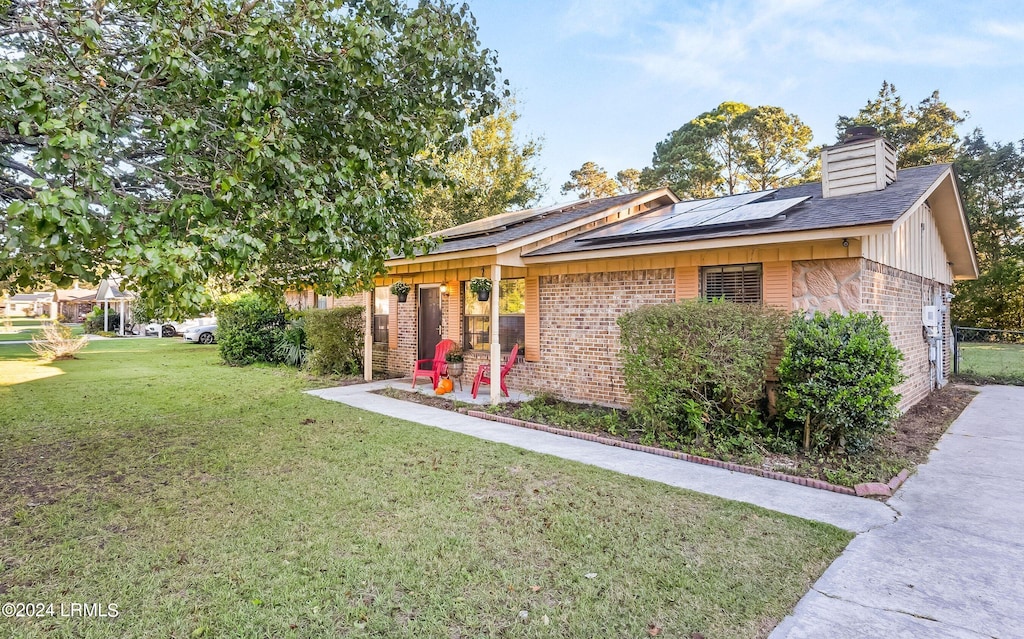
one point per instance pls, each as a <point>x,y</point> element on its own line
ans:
<point>483,375</point>
<point>438,365</point>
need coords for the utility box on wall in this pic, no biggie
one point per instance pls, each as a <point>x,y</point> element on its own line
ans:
<point>930,316</point>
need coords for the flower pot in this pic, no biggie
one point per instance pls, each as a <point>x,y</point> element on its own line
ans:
<point>455,369</point>
<point>403,297</point>
<point>483,296</point>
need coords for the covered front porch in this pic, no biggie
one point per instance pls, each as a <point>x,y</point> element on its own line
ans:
<point>440,306</point>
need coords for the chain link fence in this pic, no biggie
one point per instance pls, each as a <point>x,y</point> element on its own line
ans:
<point>987,355</point>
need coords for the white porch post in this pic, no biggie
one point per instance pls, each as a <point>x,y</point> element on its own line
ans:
<point>495,333</point>
<point>368,337</point>
<point>106,316</point>
<point>54,306</point>
<point>120,310</point>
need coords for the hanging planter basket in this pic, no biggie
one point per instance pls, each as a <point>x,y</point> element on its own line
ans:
<point>400,290</point>
<point>482,287</point>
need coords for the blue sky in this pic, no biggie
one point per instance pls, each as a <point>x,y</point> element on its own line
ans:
<point>605,80</point>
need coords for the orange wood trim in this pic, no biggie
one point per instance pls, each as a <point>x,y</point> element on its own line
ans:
<point>393,322</point>
<point>532,337</point>
<point>687,282</point>
<point>778,284</point>
<point>454,312</point>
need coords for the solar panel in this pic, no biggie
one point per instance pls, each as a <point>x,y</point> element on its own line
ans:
<point>696,215</point>
<point>692,218</point>
<point>497,222</point>
<point>755,212</point>
<point>639,222</point>
<point>733,201</point>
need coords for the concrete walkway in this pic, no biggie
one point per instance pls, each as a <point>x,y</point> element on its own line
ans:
<point>953,563</point>
<point>850,513</point>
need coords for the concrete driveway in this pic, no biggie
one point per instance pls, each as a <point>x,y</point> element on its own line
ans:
<point>952,565</point>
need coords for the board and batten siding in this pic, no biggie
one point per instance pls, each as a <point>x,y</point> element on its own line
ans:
<point>454,315</point>
<point>857,167</point>
<point>778,284</point>
<point>687,282</point>
<point>913,246</point>
<point>531,349</point>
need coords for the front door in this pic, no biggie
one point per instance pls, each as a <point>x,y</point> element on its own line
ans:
<point>429,321</point>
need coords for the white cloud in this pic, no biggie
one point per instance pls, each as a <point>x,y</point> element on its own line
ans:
<point>607,18</point>
<point>1009,30</point>
<point>737,44</point>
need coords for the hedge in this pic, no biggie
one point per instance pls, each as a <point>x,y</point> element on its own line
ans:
<point>696,369</point>
<point>335,339</point>
<point>249,329</point>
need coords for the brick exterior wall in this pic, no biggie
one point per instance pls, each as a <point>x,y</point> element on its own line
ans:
<point>899,297</point>
<point>579,337</point>
<point>401,359</point>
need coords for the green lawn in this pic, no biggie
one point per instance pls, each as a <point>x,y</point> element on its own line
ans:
<point>207,501</point>
<point>992,362</point>
<point>24,328</point>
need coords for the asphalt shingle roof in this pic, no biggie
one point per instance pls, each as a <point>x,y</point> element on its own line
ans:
<point>544,220</point>
<point>816,213</point>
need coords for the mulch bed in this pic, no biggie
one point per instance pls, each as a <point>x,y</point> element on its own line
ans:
<point>916,434</point>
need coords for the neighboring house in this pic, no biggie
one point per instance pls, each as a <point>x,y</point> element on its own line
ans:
<point>31,304</point>
<point>75,303</point>
<point>867,238</point>
<point>108,295</point>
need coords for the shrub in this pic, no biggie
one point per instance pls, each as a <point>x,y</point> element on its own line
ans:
<point>249,328</point>
<point>696,369</point>
<point>335,338</point>
<point>840,371</point>
<point>94,321</point>
<point>292,348</point>
<point>56,342</point>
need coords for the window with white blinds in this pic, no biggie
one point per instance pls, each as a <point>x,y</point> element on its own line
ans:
<point>736,283</point>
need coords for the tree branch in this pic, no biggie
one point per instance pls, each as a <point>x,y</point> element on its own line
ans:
<point>22,168</point>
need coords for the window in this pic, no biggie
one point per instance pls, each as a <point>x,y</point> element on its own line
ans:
<point>381,301</point>
<point>476,317</point>
<point>737,283</point>
<point>321,301</point>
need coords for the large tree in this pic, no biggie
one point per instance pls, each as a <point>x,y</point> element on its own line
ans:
<point>779,151</point>
<point>733,147</point>
<point>268,144</point>
<point>493,173</point>
<point>923,134</point>
<point>590,181</point>
<point>993,193</point>
<point>629,180</point>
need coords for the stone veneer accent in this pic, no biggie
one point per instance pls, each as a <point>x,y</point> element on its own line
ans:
<point>827,285</point>
<point>856,284</point>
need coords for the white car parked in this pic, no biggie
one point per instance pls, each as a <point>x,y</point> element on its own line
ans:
<point>202,334</point>
<point>171,329</point>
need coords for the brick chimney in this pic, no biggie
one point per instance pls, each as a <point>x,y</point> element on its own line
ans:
<point>863,162</point>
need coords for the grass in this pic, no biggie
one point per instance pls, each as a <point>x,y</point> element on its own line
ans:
<point>208,501</point>
<point>25,327</point>
<point>990,362</point>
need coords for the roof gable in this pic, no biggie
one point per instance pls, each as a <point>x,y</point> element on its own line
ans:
<point>814,213</point>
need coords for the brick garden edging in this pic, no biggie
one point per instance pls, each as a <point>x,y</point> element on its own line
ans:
<point>860,490</point>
